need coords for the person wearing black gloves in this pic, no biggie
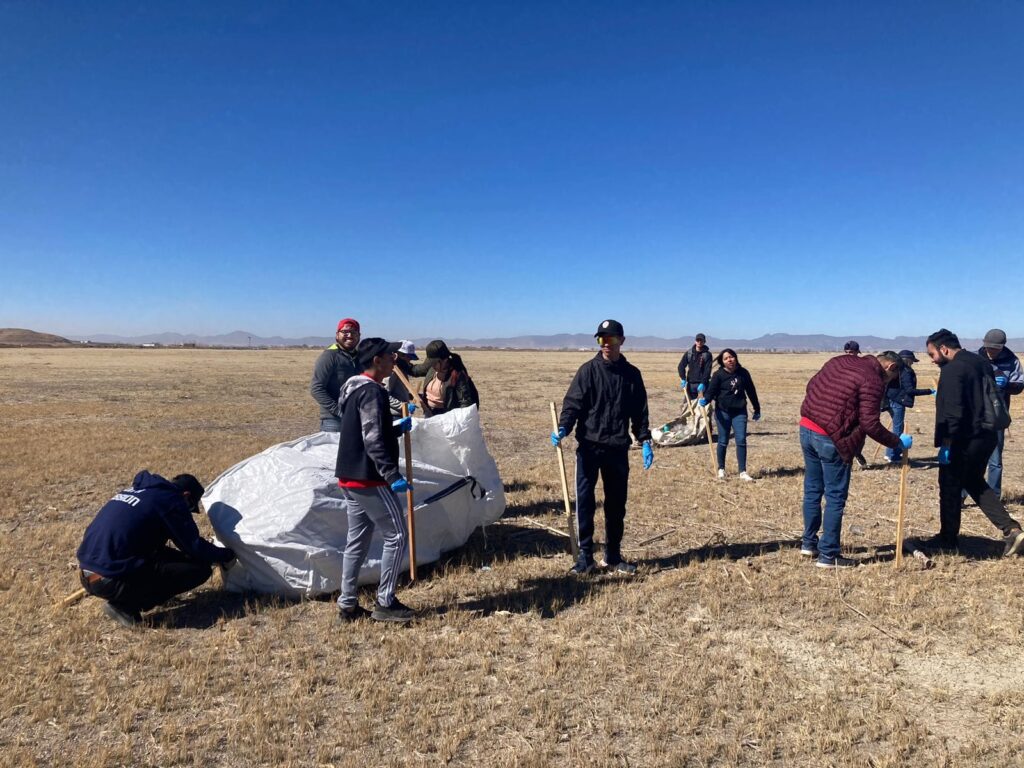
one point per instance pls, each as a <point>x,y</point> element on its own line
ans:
<point>367,472</point>
<point>124,556</point>
<point>965,441</point>
<point>695,368</point>
<point>899,395</point>
<point>730,388</point>
<point>605,400</point>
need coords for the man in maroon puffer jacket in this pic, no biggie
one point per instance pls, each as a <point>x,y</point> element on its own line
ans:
<point>840,410</point>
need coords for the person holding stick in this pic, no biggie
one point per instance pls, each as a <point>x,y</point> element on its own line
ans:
<point>398,393</point>
<point>446,384</point>
<point>730,387</point>
<point>839,411</point>
<point>369,478</point>
<point>124,556</point>
<point>965,441</point>
<point>605,400</point>
<point>695,368</point>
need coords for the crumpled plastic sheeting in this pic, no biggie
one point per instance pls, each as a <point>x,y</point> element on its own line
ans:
<point>283,514</point>
<point>686,429</point>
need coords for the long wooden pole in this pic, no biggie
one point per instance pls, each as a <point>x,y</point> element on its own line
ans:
<point>878,446</point>
<point>409,513</point>
<point>711,445</point>
<point>412,392</point>
<point>689,405</point>
<point>904,470</point>
<point>574,544</point>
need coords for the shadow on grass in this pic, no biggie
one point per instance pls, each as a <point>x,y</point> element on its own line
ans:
<point>782,472</point>
<point>207,608</point>
<point>720,551</point>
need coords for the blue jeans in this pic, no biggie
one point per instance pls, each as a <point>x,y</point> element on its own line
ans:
<point>899,418</point>
<point>995,464</point>
<point>330,424</point>
<point>825,474</point>
<point>727,422</point>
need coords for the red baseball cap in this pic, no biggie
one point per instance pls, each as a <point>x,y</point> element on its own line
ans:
<point>348,321</point>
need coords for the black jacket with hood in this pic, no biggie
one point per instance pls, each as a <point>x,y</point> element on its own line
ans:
<point>730,391</point>
<point>368,447</point>
<point>604,402</point>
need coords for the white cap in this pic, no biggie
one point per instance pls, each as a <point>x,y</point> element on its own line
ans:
<point>408,348</point>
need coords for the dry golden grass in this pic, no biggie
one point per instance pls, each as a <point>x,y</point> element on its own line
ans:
<point>726,649</point>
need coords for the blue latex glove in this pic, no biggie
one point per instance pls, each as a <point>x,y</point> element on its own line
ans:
<point>648,454</point>
<point>557,437</point>
<point>934,392</point>
<point>682,383</point>
<point>944,457</point>
<point>700,388</point>
<point>401,485</point>
<point>412,408</point>
<point>756,416</point>
<point>403,425</point>
<point>907,441</point>
<point>1001,382</point>
<point>702,403</point>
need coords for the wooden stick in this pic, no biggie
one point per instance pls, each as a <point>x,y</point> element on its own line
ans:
<point>574,544</point>
<point>71,599</point>
<point>904,469</point>
<point>409,513</point>
<point>711,445</point>
<point>412,392</point>
<point>689,405</point>
<point>653,539</point>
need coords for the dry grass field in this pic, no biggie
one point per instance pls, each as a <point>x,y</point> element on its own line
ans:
<point>727,648</point>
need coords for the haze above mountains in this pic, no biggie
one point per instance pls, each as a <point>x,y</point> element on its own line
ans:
<point>774,342</point>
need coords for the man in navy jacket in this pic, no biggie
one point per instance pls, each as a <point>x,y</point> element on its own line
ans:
<point>1010,381</point>
<point>124,556</point>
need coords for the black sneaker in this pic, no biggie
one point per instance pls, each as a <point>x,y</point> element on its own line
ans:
<point>939,543</point>
<point>836,562</point>
<point>582,569</point>
<point>1013,542</point>
<point>355,613</point>
<point>394,612</point>
<point>122,616</point>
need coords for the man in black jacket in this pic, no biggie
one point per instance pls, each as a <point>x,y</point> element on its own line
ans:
<point>124,556</point>
<point>695,368</point>
<point>605,400</point>
<point>964,443</point>
<point>368,475</point>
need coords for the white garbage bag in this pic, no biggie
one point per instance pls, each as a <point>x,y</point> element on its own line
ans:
<point>686,429</point>
<point>282,512</point>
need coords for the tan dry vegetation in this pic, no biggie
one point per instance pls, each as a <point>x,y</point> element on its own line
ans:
<point>726,649</point>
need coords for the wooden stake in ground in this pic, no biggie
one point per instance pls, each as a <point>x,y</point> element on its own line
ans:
<point>410,513</point>
<point>574,544</point>
<point>71,599</point>
<point>904,470</point>
<point>711,445</point>
<point>412,392</point>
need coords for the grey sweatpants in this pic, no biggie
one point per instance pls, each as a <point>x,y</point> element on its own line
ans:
<point>369,507</point>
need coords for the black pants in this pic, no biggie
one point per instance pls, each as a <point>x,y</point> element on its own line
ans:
<point>966,472</point>
<point>613,465</point>
<point>167,574</point>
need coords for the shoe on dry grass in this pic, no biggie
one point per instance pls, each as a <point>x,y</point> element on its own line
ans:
<point>355,613</point>
<point>1013,542</point>
<point>938,543</point>
<point>582,569</point>
<point>721,474</point>
<point>808,551</point>
<point>836,562</point>
<point>621,567</point>
<point>394,612</point>
<point>122,616</point>
<point>746,478</point>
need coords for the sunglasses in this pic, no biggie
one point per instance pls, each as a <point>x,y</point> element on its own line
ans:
<point>611,340</point>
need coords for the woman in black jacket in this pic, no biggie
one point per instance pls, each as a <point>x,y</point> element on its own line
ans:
<point>730,387</point>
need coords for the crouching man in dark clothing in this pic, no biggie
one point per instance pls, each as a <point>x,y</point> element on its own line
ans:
<point>965,443</point>
<point>605,400</point>
<point>124,555</point>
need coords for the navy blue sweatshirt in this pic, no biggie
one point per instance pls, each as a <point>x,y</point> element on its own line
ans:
<point>137,522</point>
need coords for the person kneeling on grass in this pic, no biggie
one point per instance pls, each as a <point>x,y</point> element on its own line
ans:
<point>839,411</point>
<point>367,472</point>
<point>729,389</point>
<point>124,556</point>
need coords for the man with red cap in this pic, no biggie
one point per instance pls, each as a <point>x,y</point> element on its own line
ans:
<point>336,365</point>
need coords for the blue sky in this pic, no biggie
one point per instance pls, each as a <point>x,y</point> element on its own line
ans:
<point>483,169</point>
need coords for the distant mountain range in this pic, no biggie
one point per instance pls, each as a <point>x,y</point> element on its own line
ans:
<point>772,342</point>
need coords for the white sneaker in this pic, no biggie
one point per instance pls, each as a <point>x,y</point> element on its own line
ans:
<point>746,478</point>
<point>721,474</point>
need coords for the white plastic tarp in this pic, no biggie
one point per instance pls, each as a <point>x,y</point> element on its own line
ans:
<point>283,514</point>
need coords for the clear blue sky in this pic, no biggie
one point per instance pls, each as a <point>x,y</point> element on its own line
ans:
<point>478,169</point>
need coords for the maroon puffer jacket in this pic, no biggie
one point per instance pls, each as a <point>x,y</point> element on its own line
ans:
<point>843,398</point>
